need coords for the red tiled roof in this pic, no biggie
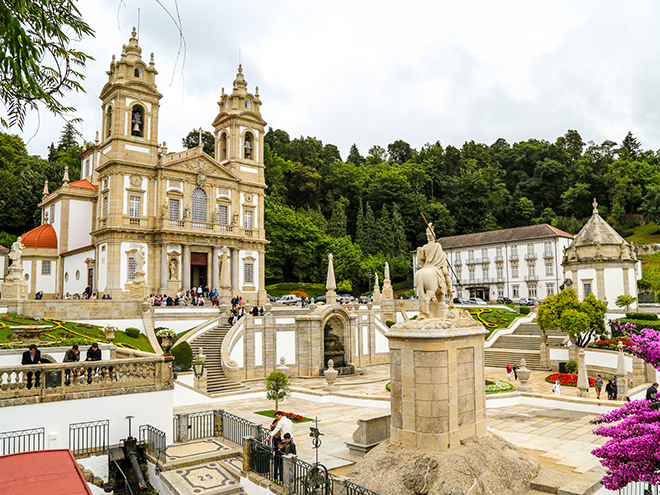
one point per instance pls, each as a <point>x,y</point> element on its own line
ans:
<point>84,184</point>
<point>43,236</point>
<point>43,472</point>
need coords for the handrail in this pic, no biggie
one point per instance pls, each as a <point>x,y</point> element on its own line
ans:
<point>492,338</point>
<point>230,340</point>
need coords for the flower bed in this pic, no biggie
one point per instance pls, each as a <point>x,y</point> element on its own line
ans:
<point>609,344</point>
<point>296,418</point>
<point>566,379</point>
<point>495,386</point>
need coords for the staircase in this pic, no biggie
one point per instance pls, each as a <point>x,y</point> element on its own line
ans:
<point>524,342</point>
<point>211,342</point>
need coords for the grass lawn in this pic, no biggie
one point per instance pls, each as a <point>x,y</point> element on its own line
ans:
<point>495,386</point>
<point>66,333</point>
<point>493,318</point>
<point>646,234</point>
<point>271,414</point>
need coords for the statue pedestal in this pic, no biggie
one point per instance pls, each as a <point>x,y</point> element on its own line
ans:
<point>15,288</point>
<point>330,297</point>
<point>138,287</point>
<point>438,381</point>
<point>388,292</point>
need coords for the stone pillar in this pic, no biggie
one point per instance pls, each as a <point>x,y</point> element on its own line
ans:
<point>248,451</point>
<point>185,283</point>
<point>438,382</point>
<point>583,377</point>
<point>163,268</point>
<point>183,428</point>
<point>330,283</point>
<point>234,272</point>
<point>215,270</point>
<point>341,487</point>
<point>288,473</point>
<point>621,374</point>
<point>224,293</point>
<point>544,362</point>
<point>218,418</point>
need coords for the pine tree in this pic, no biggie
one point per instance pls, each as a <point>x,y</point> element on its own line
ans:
<point>370,242</point>
<point>67,138</point>
<point>360,234</point>
<point>384,239</point>
<point>354,156</point>
<point>632,145</point>
<point>337,224</point>
<point>399,240</point>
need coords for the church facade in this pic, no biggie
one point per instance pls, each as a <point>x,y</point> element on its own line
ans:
<point>183,218</point>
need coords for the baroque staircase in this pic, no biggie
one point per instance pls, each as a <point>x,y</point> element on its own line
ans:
<point>524,342</point>
<point>211,342</point>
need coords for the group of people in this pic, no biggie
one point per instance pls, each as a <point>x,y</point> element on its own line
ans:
<point>197,296</point>
<point>281,434</point>
<point>512,368</point>
<point>33,355</point>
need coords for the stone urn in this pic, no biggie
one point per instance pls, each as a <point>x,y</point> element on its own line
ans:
<point>523,377</point>
<point>109,335</point>
<point>330,376</point>
<point>166,344</point>
<point>30,333</point>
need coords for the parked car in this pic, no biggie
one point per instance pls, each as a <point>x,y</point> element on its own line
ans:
<point>461,300</point>
<point>320,300</point>
<point>504,300</point>
<point>344,298</point>
<point>271,298</point>
<point>527,301</point>
<point>476,300</point>
<point>289,300</point>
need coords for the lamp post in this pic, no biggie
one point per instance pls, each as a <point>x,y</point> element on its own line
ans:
<point>369,274</point>
<point>198,367</point>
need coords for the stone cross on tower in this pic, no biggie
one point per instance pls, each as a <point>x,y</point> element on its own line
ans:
<point>595,205</point>
<point>200,130</point>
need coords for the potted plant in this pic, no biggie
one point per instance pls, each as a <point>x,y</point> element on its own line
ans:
<point>166,336</point>
<point>109,332</point>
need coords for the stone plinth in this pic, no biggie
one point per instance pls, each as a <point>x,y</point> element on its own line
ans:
<point>14,288</point>
<point>438,382</point>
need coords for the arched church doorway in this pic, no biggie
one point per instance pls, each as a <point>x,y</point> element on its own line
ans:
<point>333,343</point>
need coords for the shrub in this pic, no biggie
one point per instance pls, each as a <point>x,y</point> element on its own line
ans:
<point>524,310</point>
<point>133,333</point>
<point>571,366</point>
<point>642,316</point>
<point>183,355</point>
<point>389,323</point>
<point>654,325</point>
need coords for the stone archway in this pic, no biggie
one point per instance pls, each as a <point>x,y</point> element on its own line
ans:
<point>333,342</point>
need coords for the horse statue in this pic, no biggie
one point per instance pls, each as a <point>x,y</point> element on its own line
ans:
<point>433,281</point>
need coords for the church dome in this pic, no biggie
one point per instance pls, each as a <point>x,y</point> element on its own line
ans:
<point>43,237</point>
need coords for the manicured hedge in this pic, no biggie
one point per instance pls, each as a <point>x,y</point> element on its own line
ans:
<point>642,316</point>
<point>655,325</point>
<point>183,355</point>
<point>133,333</point>
<point>524,310</point>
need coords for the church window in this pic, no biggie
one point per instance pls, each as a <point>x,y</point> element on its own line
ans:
<point>249,144</point>
<point>248,103</point>
<point>199,205</point>
<point>222,215</point>
<point>222,147</point>
<point>587,288</point>
<point>249,273</point>
<point>131,268</point>
<point>134,207</point>
<point>138,72</point>
<point>77,274</point>
<point>174,209</point>
<point>137,121</point>
<point>105,206</point>
<point>52,213</point>
<point>248,219</point>
<point>108,122</point>
<point>45,267</point>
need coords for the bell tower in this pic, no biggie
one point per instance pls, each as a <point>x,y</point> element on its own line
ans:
<point>130,103</point>
<point>239,131</point>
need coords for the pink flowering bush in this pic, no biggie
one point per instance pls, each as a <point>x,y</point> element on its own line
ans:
<point>633,451</point>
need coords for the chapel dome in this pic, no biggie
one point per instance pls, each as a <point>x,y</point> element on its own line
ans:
<point>43,237</point>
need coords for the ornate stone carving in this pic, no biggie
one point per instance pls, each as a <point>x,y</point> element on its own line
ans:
<point>248,198</point>
<point>135,180</point>
<point>433,280</point>
<point>201,179</point>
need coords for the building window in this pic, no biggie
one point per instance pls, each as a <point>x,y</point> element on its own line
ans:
<point>45,267</point>
<point>551,289</point>
<point>77,274</point>
<point>548,247</point>
<point>248,103</point>
<point>516,291</point>
<point>199,205</point>
<point>138,72</point>
<point>499,253</point>
<point>470,255</point>
<point>500,291</point>
<point>549,269</point>
<point>134,207</point>
<point>131,268</point>
<point>484,254</point>
<point>248,219</point>
<point>587,288</point>
<point>222,215</point>
<point>249,273</point>
<point>52,214</point>
<point>458,257</point>
<point>249,144</point>
<point>222,147</point>
<point>514,270</point>
<point>137,121</point>
<point>485,271</point>
<point>105,206</point>
<point>514,250</point>
<point>108,122</point>
<point>530,248</point>
<point>532,291</point>
<point>531,270</point>
<point>471,274</point>
<point>174,209</point>
<point>500,273</point>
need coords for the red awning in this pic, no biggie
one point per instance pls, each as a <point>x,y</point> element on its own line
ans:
<point>42,472</point>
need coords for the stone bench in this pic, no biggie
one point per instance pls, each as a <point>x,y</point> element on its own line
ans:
<point>370,432</point>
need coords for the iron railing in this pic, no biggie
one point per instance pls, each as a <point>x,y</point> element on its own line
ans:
<point>264,461</point>
<point>235,428</point>
<point>14,442</point>
<point>300,470</point>
<point>92,437</point>
<point>155,440</point>
<point>201,425</point>
<point>639,488</point>
<point>355,489</point>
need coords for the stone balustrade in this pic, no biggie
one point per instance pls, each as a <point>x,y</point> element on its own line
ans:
<point>29,384</point>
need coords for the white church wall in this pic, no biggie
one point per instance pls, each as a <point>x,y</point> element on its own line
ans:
<point>46,283</point>
<point>587,274</point>
<point>75,272</point>
<point>27,270</point>
<point>80,224</point>
<point>237,353</point>
<point>285,345</point>
<point>55,218</point>
<point>614,286</point>
<point>56,416</point>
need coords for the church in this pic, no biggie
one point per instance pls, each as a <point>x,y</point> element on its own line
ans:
<point>183,219</point>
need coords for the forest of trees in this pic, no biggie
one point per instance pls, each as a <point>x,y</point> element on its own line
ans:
<point>366,209</point>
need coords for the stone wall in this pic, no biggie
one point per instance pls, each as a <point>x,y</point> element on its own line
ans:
<point>76,309</point>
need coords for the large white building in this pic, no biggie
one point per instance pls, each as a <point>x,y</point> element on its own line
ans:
<point>514,263</point>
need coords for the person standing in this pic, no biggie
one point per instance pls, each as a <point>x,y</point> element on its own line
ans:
<point>284,426</point>
<point>509,369</point>
<point>556,388</point>
<point>285,448</point>
<point>608,389</point>
<point>32,355</point>
<point>515,370</point>
<point>598,385</point>
<point>651,391</point>
<point>615,391</point>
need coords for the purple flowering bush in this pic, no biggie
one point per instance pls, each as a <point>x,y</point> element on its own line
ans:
<point>632,452</point>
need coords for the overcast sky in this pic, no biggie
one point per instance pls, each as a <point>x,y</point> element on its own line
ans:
<point>371,72</point>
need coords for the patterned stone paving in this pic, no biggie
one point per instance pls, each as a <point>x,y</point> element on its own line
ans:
<point>206,479</point>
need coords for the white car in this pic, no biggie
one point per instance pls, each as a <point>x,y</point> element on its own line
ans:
<point>477,300</point>
<point>289,300</point>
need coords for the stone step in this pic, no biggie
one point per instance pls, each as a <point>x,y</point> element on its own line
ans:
<point>211,342</point>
